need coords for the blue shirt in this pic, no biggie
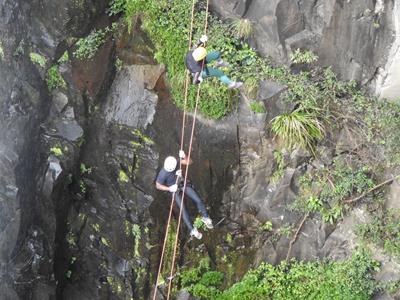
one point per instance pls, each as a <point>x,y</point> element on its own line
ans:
<point>166,178</point>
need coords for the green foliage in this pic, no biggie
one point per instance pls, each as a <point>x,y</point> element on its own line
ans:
<point>87,47</point>
<point>267,226</point>
<point>280,164</point>
<point>351,279</point>
<point>123,177</point>
<point>257,107</point>
<point>242,28</point>
<point>64,58</point>
<point>298,129</point>
<point>383,230</point>
<point>57,151</point>
<point>137,235</point>
<point>84,169</point>
<point>251,86</point>
<point>324,190</point>
<point>199,224</point>
<point>54,79</point>
<point>299,57</point>
<point>1,51</point>
<point>38,59</point>
<point>201,281</point>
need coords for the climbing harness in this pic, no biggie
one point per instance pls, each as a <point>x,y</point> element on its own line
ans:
<point>170,278</point>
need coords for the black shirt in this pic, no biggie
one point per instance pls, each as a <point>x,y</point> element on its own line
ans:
<point>166,178</point>
<point>192,65</point>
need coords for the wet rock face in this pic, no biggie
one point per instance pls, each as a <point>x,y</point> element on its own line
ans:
<point>358,38</point>
<point>27,177</point>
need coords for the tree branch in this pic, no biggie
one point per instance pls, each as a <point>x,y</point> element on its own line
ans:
<point>371,190</point>
<point>296,235</point>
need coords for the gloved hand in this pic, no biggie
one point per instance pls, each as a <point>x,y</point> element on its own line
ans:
<point>182,154</point>
<point>200,79</point>
<point>173,188</point>
<point>204,38</point>
<point>178,173</point>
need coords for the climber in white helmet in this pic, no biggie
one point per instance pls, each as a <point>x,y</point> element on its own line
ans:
<point>169,179</point>
<point>198,56</point>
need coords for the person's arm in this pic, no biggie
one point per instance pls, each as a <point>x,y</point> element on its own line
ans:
<point>201,42</point>
<point>162,187</point>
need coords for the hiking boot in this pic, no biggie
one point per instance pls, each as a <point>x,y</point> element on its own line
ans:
<point>207,222</point>
<point>235,85</point>
<point>196,234</point>
<point>221,63</point>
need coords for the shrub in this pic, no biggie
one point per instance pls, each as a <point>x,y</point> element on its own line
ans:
<point>257,107</point>
<point>351,279</point>
<point>54,79</point>
<point>242,28</point>
<point>38,59</point>
<point>251,86</point>
<point>87,47</point>
<point>383,230</point>
<point>298,129</point>
<point>299,57</point>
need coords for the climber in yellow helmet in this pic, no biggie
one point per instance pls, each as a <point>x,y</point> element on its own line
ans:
<point>198,55</point>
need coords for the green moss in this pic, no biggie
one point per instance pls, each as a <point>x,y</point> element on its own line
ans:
<point>105,242</point>
<point>38,59</point>
<point>136,237</point>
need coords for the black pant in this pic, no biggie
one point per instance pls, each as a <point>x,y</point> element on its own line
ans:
<point>191,193</point>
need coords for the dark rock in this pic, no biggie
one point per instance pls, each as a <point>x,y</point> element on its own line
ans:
<point>357,38</point>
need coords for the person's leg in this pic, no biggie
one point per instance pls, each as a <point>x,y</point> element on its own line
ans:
<point>191,193</point>
<point>213,55</point>
<point>185,215</point>
<point>212,72</point>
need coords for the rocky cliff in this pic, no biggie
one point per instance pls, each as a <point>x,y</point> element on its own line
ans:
<point>79,216</point>
<point>358,38</point>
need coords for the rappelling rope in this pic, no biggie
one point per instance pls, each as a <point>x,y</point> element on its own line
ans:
<point>187,167</point>
<point>182,139</point>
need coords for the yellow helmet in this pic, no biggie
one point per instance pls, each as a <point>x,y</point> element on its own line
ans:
<point>199,53</point>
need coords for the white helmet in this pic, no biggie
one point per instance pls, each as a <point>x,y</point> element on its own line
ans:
<point>170,163</point>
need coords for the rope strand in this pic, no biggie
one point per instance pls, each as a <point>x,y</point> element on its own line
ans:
<point>182,140</point>
<point>187,169</point>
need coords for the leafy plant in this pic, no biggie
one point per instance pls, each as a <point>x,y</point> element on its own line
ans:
<point>1,51</point>
<point>299,57</point>
<point>38,59</point>
<point>280,164</point>
<point>54,79</point>
<point>84,169</point>
<point>267,226</point>
<point>257,107</point>
<point>251,86</point>
<point>57,151</point>
<point>351,279</point>
<point>242,28</point>
<point>87,47</point>
<point>199,224</point>
<point>383,230</point>
<point>298,129</point>
<point>123,177</point>
<point>64,58</point>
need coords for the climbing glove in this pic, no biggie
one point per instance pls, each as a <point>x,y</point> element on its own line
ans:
<point>204,38</point>
<point>173,188</point>
<point>182,154</point>
<point>178,173</point>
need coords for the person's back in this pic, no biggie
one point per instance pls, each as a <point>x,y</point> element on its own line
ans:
<point>191,64</point>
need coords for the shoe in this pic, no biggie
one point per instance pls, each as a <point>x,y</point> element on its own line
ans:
<point>221,63</point>
<point>196,234</point>
<point>207,222</point>
<point>235,85</point>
